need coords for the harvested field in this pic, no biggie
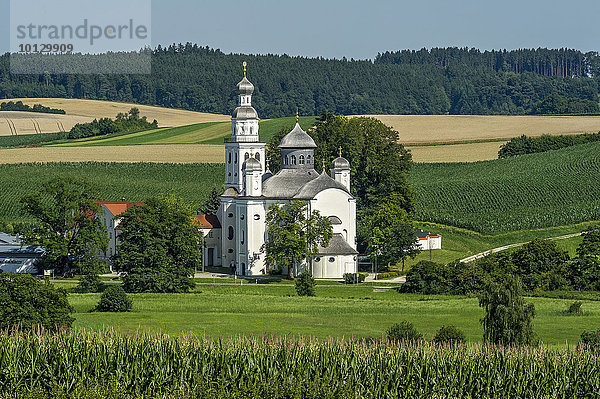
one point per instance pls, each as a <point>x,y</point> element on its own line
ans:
<point>471,152</point>
<point>166,117</point>
<point>185,153</point>
<point>422,129</point>
<point>16,122</point>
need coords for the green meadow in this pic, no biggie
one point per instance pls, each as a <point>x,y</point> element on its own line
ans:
<point>336,311</point>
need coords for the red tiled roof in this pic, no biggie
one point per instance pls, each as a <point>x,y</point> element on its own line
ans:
<point>118,207</point>
<point>208,222</point>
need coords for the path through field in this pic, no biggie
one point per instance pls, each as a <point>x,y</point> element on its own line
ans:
<point>505,247</point>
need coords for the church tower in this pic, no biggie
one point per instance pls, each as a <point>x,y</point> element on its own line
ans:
<point>244,142</point>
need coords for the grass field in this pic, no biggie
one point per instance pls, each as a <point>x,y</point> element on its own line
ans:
<point>109,109</point>
<point>344,311</point>
<point>526,192</point>
<point>423,129</point>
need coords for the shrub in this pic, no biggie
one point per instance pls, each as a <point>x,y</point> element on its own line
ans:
<point>89,283</point>
<point>449,335</point>
<point>114,299</point>
<point>575,307</point>
<point>590,339</point>
<point>305,284</point>
<point>353,278</point>
<point>388,275</point>
<point>27,302</point>
<point>403,331</point>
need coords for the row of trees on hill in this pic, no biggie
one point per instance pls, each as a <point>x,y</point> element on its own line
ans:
<point>124,122</point>
<point>530,145</point>
<point>438,81</point>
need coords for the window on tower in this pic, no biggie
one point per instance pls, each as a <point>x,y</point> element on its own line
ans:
<point>246,156</point>
<point>308,160</point>
<point>293,160</point>
<point>230,233</point>
<point>285,160</point>
<point>236,157</point>
<point>301,160</point>
<point>257,156</point>
<point>229,157</point>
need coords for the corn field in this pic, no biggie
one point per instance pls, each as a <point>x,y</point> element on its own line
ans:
<point>103,364</point>
<point>111,181</point>
<point>520,193</point>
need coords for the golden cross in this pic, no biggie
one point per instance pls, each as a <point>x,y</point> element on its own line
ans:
<point>340,151</point>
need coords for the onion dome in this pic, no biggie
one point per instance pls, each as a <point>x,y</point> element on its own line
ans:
<point>340,163</point>
<point>245,87</point>
<point>244,112</point>
<point>297,138</point>
<point>251,165</point>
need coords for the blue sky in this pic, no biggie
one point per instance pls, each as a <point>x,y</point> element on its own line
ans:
<point>361,29</point>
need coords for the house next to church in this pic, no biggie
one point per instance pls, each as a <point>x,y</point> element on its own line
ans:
<point>250,189</point>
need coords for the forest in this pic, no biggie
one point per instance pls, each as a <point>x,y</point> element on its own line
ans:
<point>435,81</point>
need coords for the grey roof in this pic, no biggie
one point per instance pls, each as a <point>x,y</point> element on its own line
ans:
<point>251,164</point>
<point>287,182</point>
<point>337,246</point>
<point>298,184</point>
<point>267,175</point>
<point>245,86</point>
<point>245,112</point>
<point>340,163</point>
<point>323,182</point>
<point>334,220</point>
<point>297,138</point>
<point>230,192</point>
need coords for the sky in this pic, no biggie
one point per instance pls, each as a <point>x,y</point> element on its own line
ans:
<point>360,29</point>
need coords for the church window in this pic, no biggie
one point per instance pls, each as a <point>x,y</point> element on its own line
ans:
<point>285,160</point>
<point>242,235</point>
<point>230,250</point>
<point>301,160</point>
<point>257,217</point>
<point>293,160</point>
<point>229,157</point>
<point>317,259</point>
<point>246,156</point>
<point>230,235</point>
<point>236,157</point>
<point>308,160</point>
<point>242,217</point>
<point>257,156</point>
<point>230,215</point>
<point>332,259</point>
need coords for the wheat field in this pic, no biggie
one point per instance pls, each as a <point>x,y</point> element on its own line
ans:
<point>35,122</point>
<point>424,129</point>
<point>469,152</point>
<point>185,153</point>
<point>90,109</point>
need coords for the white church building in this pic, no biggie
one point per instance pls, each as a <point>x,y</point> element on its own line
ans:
<point>237,239</point>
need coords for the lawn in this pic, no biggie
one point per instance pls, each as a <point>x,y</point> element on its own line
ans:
<point>343,311</point>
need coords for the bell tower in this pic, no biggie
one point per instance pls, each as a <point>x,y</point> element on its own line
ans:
<point>244,142</point>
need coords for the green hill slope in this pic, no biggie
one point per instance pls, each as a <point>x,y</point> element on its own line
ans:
<point>530,191</point>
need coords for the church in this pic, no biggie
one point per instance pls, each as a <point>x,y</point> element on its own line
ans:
<point>236,238</point>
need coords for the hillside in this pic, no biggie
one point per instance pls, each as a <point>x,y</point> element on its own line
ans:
<point>35,122</point>
<point>524,192</point>
<point>447,81</point>
<point>85,110</point>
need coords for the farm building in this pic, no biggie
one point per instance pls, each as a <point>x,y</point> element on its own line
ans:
<point>18,258</point>
<point>426,240</point>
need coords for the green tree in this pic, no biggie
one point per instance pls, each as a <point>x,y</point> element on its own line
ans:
<point>508,319</point>
<point>294,235</point>
<point>403,331</point>
<point>212,203</point>
<point>66,227</point>
<point>114,299</point>
<point>449,335</point>
<point>160,246</point>
<point>27,302</point>
<point>392,236</point>
<point>585,268</point>
<point>541,264</point>
<point>305,284</point>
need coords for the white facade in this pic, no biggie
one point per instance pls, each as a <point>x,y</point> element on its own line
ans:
<point>250,189</point>
<point>427,241</point>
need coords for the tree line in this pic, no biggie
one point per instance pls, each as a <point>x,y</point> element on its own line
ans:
<point>19,106</point>
<point>438,81</point>
<point>530,145</point>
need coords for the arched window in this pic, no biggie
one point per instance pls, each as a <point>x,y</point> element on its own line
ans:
<point>236,157</point>
<point>229,157</point>
<point>308,160</point>
<point>301,160</point>
<point>257,156</point>
<point>242,237</point>
<point>293,160</point>
<point>246,156</point>
<point>285,160</point>
<point>230,235</point>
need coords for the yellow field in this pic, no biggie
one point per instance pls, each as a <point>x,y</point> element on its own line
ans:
<point>35,122</point>
<point>90,109</point>
<point>471,152</point>
<point>421,129</point>
<point>185,153</point>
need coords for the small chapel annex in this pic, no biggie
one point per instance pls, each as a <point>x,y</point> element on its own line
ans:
<point>237,237</point>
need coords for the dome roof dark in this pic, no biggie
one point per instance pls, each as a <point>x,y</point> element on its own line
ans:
<point>245,87</point>
<point>340,163</point>
<point>251,165</point>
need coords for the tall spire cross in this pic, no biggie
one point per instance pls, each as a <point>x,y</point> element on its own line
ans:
<point>297,115</point>
<point>323,165</point>
<point>245,64</point>
<point>340,151</point>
